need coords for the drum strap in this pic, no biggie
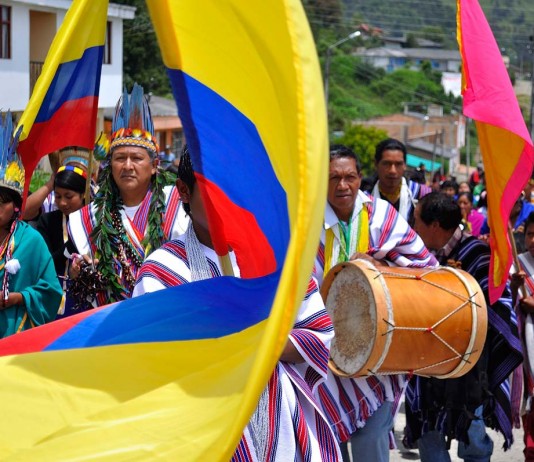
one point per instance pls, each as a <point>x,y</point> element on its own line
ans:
<point>339,247</point>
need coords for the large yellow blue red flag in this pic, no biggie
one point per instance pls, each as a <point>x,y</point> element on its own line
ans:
<point>63,106</point>
<point>505,143</point>
<point>176,374</point>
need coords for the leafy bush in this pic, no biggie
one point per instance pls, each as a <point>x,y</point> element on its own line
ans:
<point>362,140</point>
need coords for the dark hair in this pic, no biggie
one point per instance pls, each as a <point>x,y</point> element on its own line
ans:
<point>339,151</point>
<point>468,195</point>
<point>185,169</point>
<point>483,199</point>
<point>67,179</point>
<point>529,221</point>
<point>389,144</point>
<point>186,174</point>
<point>449,184</point>
<point>439,207</point>
<point>9,195</point>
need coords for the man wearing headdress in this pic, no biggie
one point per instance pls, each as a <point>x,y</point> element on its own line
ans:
<point>30,292</point>
<point>355,225</point>
<point>287,424</point>
<point>133,213</point>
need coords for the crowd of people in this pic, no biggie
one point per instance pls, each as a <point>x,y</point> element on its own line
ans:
<point>82,244</point>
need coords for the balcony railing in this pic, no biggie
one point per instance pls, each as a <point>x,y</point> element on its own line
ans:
<point>36,68</point>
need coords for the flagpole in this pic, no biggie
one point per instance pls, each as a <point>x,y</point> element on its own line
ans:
<point>514,254</point>
<point>226,265</point>
<point>89,177</point>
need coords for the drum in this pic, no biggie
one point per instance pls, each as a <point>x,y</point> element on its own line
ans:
<point>426,321</point>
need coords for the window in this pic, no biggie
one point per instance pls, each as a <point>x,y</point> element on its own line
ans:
<point>5,32</point>
<point>107,44</point>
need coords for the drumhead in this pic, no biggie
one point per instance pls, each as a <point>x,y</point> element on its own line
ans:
<point>351,304</point>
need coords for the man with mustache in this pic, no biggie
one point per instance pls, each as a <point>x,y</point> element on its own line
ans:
<point>357,226</point>
<point>133,213</point>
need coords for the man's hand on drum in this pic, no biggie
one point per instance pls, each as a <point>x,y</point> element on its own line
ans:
<point>364,256</point>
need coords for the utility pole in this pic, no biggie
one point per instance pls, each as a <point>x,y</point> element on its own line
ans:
<point>328,58</point>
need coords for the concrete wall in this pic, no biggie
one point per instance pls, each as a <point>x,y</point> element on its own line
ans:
<point>15,72</point>
<point>37,24</point>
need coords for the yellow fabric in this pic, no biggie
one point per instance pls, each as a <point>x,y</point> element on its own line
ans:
<point>328,250</point>
<point>189,401</point>
<point>363,241</point>
<point>136,403</point>
<point>498,170</point>
<point>361,247</point>
<point>261,57</point>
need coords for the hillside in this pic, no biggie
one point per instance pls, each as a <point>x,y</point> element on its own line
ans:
<point>512,21</point>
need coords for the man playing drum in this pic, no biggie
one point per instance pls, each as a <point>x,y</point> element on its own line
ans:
<point>357,226</point>
<point>439,410</point>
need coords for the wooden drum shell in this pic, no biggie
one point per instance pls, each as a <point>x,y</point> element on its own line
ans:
<point>427,321</point>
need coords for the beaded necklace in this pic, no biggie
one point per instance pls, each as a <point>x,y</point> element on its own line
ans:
<point>128,255</point>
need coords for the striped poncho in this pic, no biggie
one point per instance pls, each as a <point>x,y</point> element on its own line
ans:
<point>82,222</point>
<point>449,405</point>
<point>297,429</point>
<point>348,403</point>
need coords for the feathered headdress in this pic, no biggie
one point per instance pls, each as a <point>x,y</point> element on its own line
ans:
<point>11,168</point>
<point>132,123</point>
<point>74,155</point>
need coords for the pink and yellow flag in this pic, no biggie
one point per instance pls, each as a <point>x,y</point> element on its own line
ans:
<point>505,143</point>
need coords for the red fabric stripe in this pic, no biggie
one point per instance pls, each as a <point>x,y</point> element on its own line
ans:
<point>170,212</point>
<point>40,338</point>
<point>254,254</point>
<point>74,124</point>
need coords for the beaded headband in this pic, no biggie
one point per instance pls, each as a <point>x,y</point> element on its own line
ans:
<point>134,137</point>
<point>74,169</point>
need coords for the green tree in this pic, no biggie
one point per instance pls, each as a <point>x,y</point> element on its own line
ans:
<point>362,140</point>
<point>142,58</point>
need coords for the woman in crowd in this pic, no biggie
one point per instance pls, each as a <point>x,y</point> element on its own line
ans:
<point>30,293</point>
<point>69,195</point>
<point>472,219</point>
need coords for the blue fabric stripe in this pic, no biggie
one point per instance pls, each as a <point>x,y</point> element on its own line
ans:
<point>238,161</point>
<point>73,80</point>
<point>201,310</point>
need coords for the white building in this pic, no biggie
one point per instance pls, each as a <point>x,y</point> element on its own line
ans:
<point>27,28</point>
<point>391,59</point>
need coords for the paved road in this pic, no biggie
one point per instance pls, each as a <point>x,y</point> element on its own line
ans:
<point>515,454</point>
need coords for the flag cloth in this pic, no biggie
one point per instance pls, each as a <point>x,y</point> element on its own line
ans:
<point>176,374</point>
<point>63,106</point>
<point>505,143</point>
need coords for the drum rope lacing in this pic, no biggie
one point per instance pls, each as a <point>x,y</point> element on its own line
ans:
<point>467,301</point>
